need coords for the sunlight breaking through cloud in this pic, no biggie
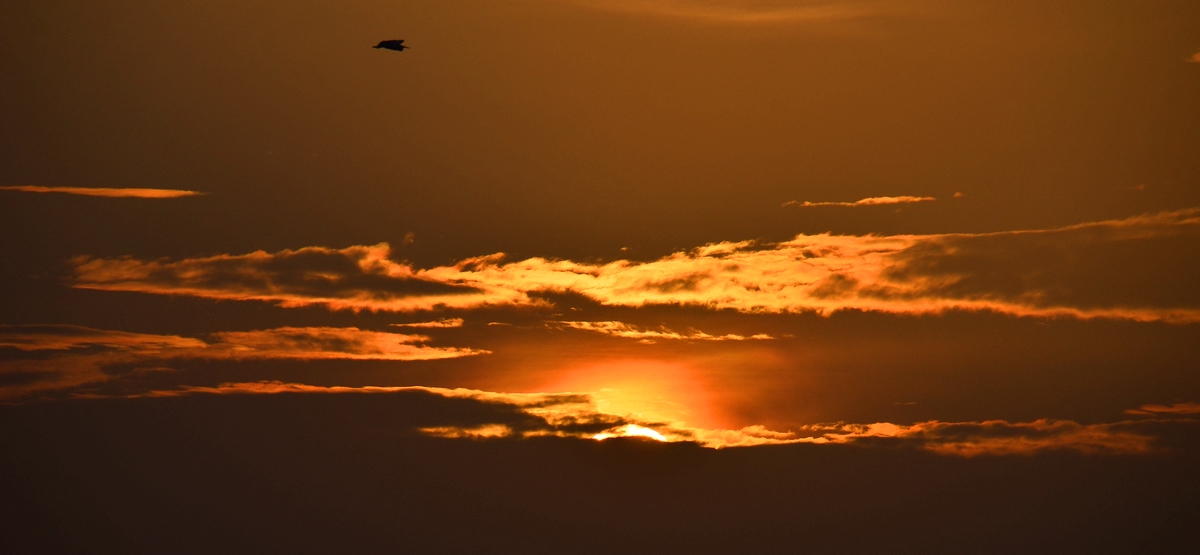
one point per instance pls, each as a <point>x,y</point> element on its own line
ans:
<point>575,415</point>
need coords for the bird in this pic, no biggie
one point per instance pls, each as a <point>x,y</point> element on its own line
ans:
<point>397,45</point>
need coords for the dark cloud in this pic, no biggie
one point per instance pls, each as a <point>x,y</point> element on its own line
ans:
<point>310,473</point>
<point>576,415</point>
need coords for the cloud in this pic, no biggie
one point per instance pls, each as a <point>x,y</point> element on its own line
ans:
<point>1195,58</point>
<point>870,201</point>
<point>326,343</point>
<point>104,192</point>
<point>80,355</point>
<point>998,437</point>
<point>621,329</point>
<point>750,11</point>
<point>1177,408</point>
<point>443,323</point>
<point>61,338</point>
<point>355,278</point>
<point>575,415</point>
<point>1090,270</point>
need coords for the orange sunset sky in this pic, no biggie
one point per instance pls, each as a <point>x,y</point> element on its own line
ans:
<point>701,262</point>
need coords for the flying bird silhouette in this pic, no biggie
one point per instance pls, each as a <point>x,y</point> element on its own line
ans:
<point>397,45</point>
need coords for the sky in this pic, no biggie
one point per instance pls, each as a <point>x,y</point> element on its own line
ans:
<point>668,242</point>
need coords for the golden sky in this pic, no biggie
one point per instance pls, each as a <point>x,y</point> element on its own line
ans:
<point>969,228</point>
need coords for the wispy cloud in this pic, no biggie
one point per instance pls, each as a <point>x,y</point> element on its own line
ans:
<point>1195,59</point>
<point>61,338</point>
<point>443,323</point>
<point>104,192</point>
<point>575,415</point>
<point>1090,270</point>
<point>870,201</point>
<point>751,11</point>
<point>1177,408</point>
<point>326,343</point>
<point>81,354</point>
<point>621,329</point>
<point>998,437</point>
<point>355,278</point>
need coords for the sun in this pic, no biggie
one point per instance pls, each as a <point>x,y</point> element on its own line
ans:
<point>645,390</point>
<point>631,430</point>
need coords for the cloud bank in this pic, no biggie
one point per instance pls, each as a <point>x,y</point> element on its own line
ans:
<point>870,201</point>
<point>1090,270</point>
<point>575,415</point>
<point>104,192</point>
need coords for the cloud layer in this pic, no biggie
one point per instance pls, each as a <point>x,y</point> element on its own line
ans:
<point>575,415</point>
<point>870,201</point>
<point>104,192</point>
<point>1091,270</point>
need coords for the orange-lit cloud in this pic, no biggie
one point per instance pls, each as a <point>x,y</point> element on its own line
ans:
<point>443,323</point>
<point>104,192</point>
<point>621,329</point>
<point>356,278</point>
<point>750,11</point>
<point>81,354</point>
<point>1177,408</point>
<point>1195,58</point>
<point>576,415</point>
<point>61,338</point>
<point>1090,270</point>
<point>998,437</point>
<point>325,343</point>
<point>870,201</point>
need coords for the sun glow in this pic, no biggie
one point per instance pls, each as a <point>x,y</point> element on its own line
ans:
<point>631,430</point>
<point>649,391</point>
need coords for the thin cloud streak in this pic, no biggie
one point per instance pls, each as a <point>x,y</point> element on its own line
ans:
<point>104,192</point>
<point>81,354</point>
<point>998,437</point>
<point>751,11</point>
<point>621,329</point>
<point>870,201</point>
<point>1019,273</point>
<point>61,338</point>
<point>443,323</point>
<point>314,343</point>
<point>1177,408</point>
<point>575,415</point>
